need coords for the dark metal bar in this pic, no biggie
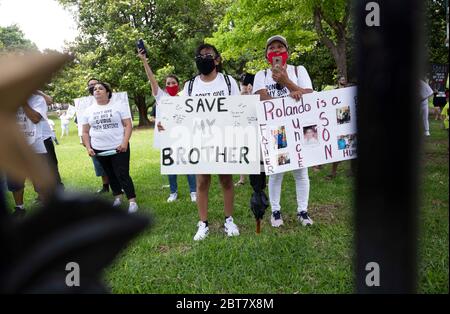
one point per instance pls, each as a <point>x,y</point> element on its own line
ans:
<point>389,64</point>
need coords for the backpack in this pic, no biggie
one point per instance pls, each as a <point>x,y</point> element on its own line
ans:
<point>191,84</point>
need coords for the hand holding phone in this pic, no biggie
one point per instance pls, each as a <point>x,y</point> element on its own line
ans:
<point>277,63</point>
<point>140,46</point>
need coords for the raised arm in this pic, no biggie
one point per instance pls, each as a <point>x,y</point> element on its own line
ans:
<point>31,114</point>
<point>149,72</point>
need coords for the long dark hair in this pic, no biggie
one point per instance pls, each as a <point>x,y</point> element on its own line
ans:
<point>219,67</point>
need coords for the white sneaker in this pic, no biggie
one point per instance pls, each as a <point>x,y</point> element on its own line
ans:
<point>202,231</point>
<point>230,227</point>
<point>194,197</point>
<point>275,219</point>
<point>172,197</point>
<point>117,202</point>
<point>427,133</point>
<point>304,218</point>
<point>133,207</point>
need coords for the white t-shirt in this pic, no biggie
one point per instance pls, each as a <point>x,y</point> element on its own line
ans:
<point>65,120</point>
<point>105,121</point>
<point>31,131</point>
<point>425,93</point>
<point>215,88</point>
<point>160,94</point>
<point>38,104</point>
<point>263,81</point>
<point>51,124</point>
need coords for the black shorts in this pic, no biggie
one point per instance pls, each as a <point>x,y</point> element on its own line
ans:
<point>439,102</point>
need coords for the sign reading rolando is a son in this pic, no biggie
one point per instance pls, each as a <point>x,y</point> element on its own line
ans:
<point>209,135</point>
<point>318,129</point>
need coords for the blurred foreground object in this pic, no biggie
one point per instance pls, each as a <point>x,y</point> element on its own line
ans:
<point>38,252</point>
<point>389,61</point>
<point>20,76</point>
<point>63,247</point>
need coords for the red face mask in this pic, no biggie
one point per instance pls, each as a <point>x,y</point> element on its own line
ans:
<point>172,90</point>
<point>283,55</point>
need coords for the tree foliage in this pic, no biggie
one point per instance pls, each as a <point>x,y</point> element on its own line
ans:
<point>319,33</point>
<point>313,29</point>
<point>12,39</point>
<point>436,31</point>
<point>109,30</point>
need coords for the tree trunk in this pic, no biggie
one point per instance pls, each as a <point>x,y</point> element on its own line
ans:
<point>341,56</point>
<point>143,110</point>
<point>338,49</point>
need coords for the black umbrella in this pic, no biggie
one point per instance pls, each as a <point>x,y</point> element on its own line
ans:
<point>258,204</point>
<point>258,201</point>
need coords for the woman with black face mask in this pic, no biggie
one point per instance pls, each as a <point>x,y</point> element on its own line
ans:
<point>211,82</point>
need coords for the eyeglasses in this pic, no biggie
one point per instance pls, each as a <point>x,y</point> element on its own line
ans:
<point>208,56</point>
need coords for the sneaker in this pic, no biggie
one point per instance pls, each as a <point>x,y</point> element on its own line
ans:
<point>117,202</point>
<point>202,231</point>
<point>133,207</point>
<point>230,227</point>
<point>19,212</point>
<point>172,197</point>
<point>304,218</point>
<point>276,219</point>
<point>102,190</point>
<point>427,133</point>
<point>194,197</point>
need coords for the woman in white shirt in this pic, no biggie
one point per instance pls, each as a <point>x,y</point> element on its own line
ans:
<point>64,124</point>
<point>209,82</point>
<point>171,89</point>
<point>284,80</point>
<point>107,130</point>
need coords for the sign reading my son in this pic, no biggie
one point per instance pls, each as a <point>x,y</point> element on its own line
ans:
<point>209,135</point>
<point>318,129</point>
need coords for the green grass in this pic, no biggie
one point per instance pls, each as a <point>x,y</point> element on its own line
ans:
<point>292,259</point>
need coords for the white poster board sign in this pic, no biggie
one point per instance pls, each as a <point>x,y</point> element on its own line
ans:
<point>156,137</point>
<point>83,102</point>
<point>318,129</point>
<point>209,135</point>
<point>71,112</point>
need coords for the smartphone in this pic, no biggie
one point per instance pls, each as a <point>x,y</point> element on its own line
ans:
<point>140,46</point>
<point>277,61</point>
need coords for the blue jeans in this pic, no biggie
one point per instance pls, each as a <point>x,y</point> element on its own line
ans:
<point>174,185</point>
<point>99,171</point>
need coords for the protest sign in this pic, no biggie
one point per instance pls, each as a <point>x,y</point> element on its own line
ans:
<point>318,129</point>
<point>209,135</point>
<point>439,74</point>
<point>71,111</point>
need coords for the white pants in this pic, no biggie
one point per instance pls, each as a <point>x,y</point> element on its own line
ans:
<point>424,112</point>
<point>64,129</point>
<point>301,186</point>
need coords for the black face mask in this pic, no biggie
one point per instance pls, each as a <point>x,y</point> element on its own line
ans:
<point>91,90</point>
<point>205,66</point>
